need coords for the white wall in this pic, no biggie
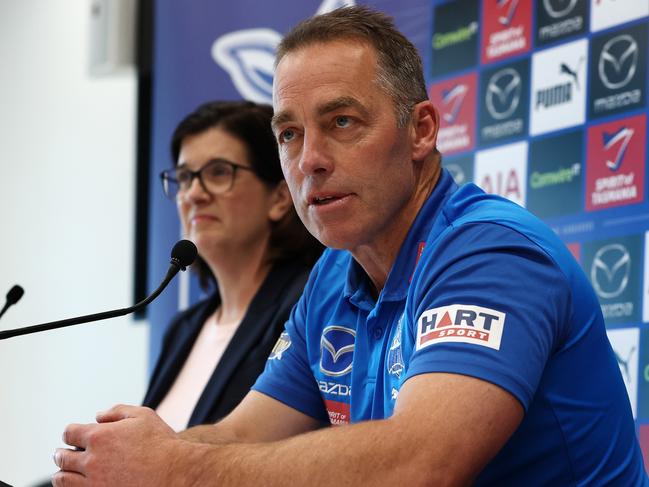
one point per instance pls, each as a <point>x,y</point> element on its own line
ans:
<point>67,177</point>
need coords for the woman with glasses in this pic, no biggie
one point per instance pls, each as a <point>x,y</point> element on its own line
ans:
<point>235,206</point>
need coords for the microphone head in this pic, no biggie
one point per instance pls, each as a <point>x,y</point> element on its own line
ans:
<point>14,294</point>
<point>183,254</point>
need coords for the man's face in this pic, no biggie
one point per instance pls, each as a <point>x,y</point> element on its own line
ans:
<point>348,167</point>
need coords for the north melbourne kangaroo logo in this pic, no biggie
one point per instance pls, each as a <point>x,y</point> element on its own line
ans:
<point>248,56</point>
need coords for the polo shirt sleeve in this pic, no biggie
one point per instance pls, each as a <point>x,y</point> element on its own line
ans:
<point>287,376</point>
<point>489,303</point>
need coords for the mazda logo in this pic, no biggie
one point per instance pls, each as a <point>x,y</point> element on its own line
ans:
<point>610,270</point>
<point>559,8</point>
<point>618,61</point>
<point>503,93</point>
<point>337,350</point>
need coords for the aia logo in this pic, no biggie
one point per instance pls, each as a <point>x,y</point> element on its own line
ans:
<point>621,139</point>
<point>506,184</point>
<point>248,56</point>
<point>503,171</point>
<point>460,323</point>
<point>337,350</point>
<point>452,100</point>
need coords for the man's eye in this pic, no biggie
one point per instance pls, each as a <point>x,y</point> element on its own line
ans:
<point>286,135</point>
<point>342,121</point>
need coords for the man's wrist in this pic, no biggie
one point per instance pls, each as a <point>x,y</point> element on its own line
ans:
<point>192,463</point>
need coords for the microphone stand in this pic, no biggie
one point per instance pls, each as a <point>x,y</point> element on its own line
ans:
<point>173,270</point>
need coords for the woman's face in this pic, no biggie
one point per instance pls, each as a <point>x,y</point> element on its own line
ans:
<point>238,219</point>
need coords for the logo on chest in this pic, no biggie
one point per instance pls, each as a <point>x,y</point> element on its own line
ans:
<point>460,323</point>
<point>337,350</point>
<point>395,363</point>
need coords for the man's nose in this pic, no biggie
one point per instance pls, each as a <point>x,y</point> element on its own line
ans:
<point>316,157</point>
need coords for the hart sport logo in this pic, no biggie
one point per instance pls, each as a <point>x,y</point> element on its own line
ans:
<point>506,28</point>
<point>337,350</point>
<point>557,19</point>
<point>503,171</point>
<point>504,94</point>
<point>456,101</point>
<point>559,87</point>
<point>460,323</point>
<point>248,56</point>
<point>615,169</point>
<point>618,71</point>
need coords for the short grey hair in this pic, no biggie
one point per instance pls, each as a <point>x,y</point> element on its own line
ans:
<point>399,68</point>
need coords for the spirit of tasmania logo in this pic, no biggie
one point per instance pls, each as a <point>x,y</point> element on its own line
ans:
<point>507,26</point>
<point>456,99</point>
<point>615,169</point>
<point>460,323</point>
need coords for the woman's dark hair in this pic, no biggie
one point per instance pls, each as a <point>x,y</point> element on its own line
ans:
<point>250,123</point>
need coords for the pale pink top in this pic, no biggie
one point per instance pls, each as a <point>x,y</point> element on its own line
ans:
<point>179,403</point>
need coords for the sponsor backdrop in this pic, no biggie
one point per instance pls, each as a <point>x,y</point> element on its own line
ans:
<point>541,101</point>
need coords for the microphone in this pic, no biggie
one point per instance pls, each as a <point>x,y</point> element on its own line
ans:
<point>13,296</point>
<point>182,255</point>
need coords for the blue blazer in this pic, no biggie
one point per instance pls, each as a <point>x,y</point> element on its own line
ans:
<point>245,356</point>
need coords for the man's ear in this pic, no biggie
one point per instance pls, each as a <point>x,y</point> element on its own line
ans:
<point>281,202</point>
<point>425,123</point>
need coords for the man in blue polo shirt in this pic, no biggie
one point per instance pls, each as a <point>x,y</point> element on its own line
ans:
<point>449,333</point>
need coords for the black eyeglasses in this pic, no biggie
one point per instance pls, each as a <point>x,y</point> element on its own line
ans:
<point>217,176</point>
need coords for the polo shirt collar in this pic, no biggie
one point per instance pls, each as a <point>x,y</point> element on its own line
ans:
<point>357,285</point>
